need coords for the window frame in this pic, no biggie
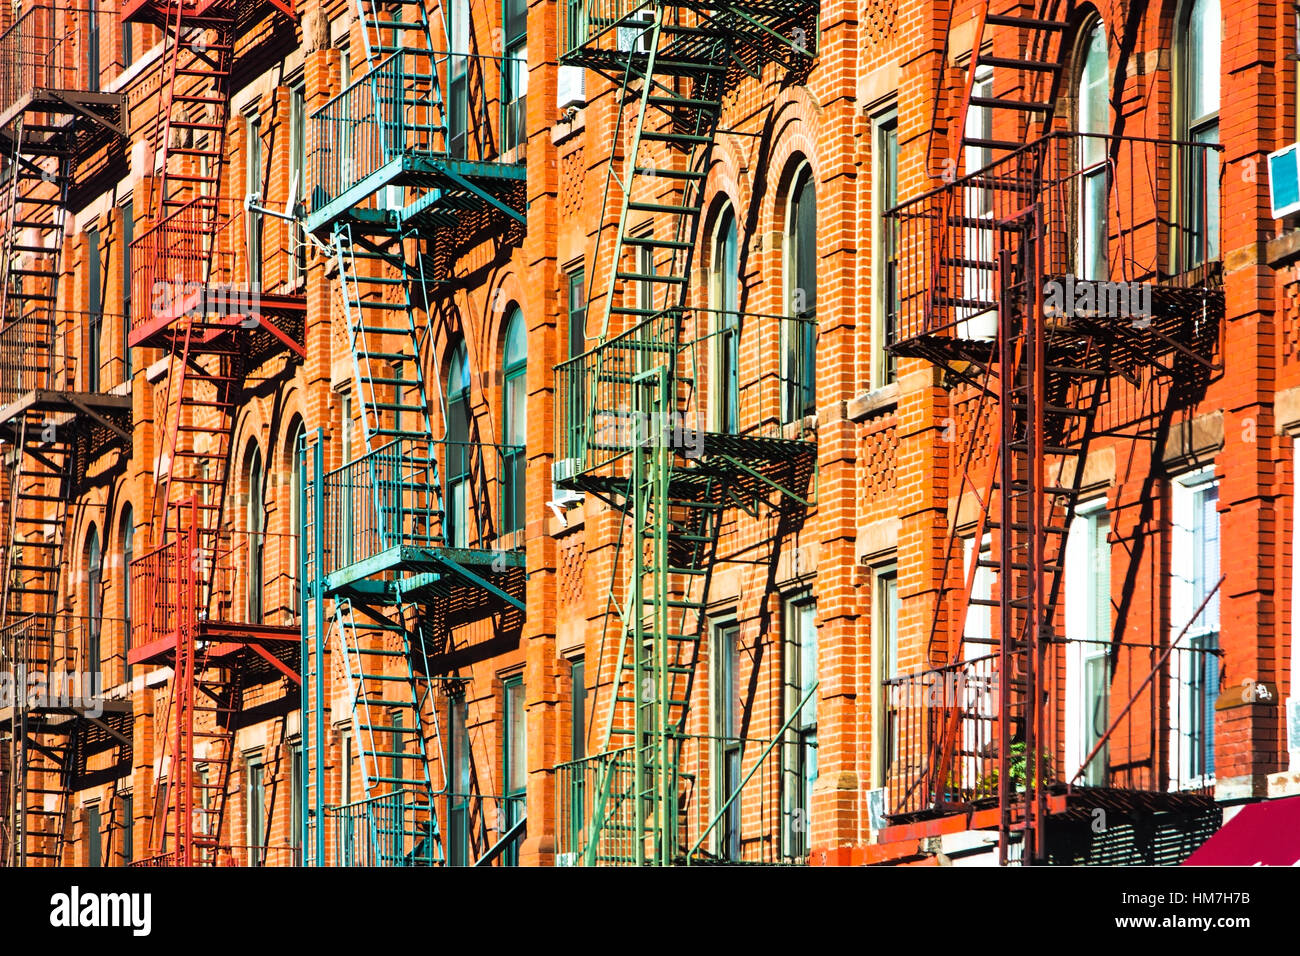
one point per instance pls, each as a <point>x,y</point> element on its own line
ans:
<point>514,374</point>
<point>724,277</point>
<point>799,330</point>
<point>726,716</point>
<point>1191,249</point>
<point>884,196</point>
<point>1088,638</point>
<point>885,667</point>
<point>1195,666</point>
<point>799,769</point>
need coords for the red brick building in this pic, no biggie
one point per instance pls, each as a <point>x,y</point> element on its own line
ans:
<point>571,433</point>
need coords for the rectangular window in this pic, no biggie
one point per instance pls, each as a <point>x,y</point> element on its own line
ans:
<point>255,807</point>
<point>1195,663</point>
<point>253,188</point>
<point>885,618</point>
<point>297,178</point>
<point>977,315</point>
<point>458,79</point>
<point>801,752</point>
<point>1088,631</point>
<point>578,709</point>
<point>977,636</point>
<point>726,730</point>
<point>95,318</point>
<point>577,750</point>
<point>577,304</point>
<point>458,762</point>
<point>94,844</point>
<point>128,46</point>
<point>885,234</point>
<point>515,67</point>
<point>515,762</point>
<point>128,236</point>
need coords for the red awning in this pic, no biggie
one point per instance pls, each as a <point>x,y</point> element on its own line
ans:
<point>1261,834</point>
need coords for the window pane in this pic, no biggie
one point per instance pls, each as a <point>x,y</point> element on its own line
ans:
<point>1203,42</point>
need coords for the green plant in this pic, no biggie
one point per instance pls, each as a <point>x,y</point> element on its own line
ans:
<point>1019,771</point>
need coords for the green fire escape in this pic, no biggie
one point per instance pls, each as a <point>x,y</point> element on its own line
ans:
<point>630,409</point>
<point>410,161</point>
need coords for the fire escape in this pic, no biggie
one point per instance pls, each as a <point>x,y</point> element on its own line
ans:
<point>413,159</point>
<point>197,303</point>
<point>630,413</point>
<point>982,264</point>
<point>56,415</point>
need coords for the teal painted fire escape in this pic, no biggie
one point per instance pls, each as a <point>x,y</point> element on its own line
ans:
<point>408,160</point>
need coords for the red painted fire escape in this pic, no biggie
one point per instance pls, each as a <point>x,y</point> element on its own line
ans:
<point>978,734</point>
<point>198,304</point>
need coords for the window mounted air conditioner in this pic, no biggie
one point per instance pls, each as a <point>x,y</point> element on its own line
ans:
<point>571,88</point>
<point>1284,180</point>
<point>563,470</point>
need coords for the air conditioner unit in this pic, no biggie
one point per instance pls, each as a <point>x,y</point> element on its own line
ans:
<point>563,470</point>
<point>1284,180</point>
<point>566,859</point>
<point>571,88</point>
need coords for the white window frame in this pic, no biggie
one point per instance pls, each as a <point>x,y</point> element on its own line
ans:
<point>1087,638</point>
<point>884,657</point>
<point>795,654</point>
<point>880,374</point>
<point>1185,495</point>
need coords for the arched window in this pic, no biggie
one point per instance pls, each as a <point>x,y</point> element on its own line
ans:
<point>1198,61</point>
<point>515,416</point>
<point>799,354</point>
<point>255,525</point>
<point>1093,98</point>
<point>93,659</point>
<point>456,504</point>
<point>295,512</point>
<point>126,534</point>
<point>724,294</point>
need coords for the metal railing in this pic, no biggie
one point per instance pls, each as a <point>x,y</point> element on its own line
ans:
<point>415,103</point>
<point>48,46</point>
<point>53,350</point>
<point>393,829</point>
<point>739,800</point>
<point>246,577</point>
<point>1123,211</point>
<point>231,855</point>
<point>607,402</point>
<point>417,493</point>
<point>587,21</point>
<point>941,729</point>
<point>475,825</point>
<point>195,261</point>
<point>77,660</point>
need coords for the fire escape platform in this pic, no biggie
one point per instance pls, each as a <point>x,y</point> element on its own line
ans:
<point>93,119</point>
<point>279,316</point>
<point>450,186</point>
<point>200,13</point>
<point>61,718</point>
<point>424,572</point>
<point>72,409</point>
<point>228,637</point>
<point>1062,803</point>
